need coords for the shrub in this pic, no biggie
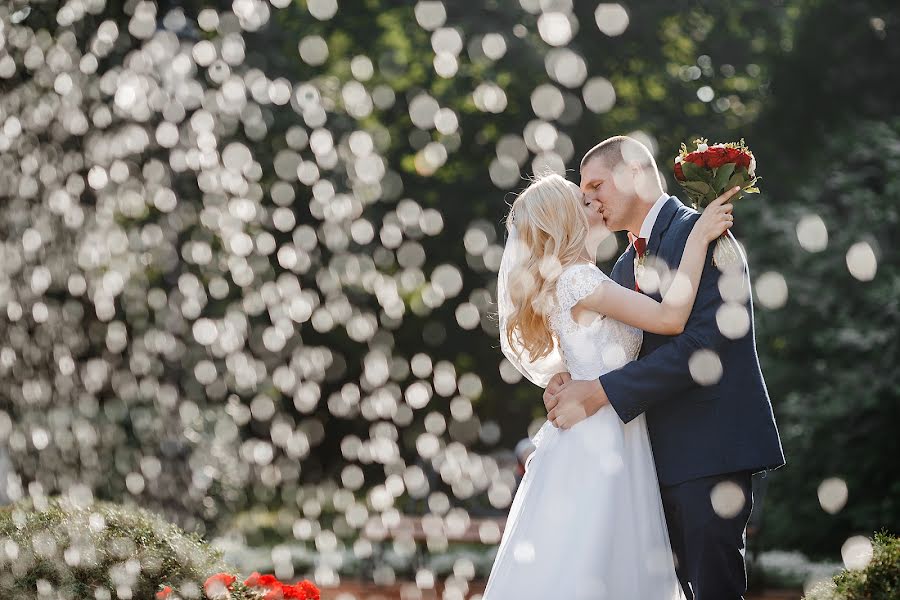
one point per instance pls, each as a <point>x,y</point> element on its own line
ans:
<point>879,580</point>
<point>98,551</point>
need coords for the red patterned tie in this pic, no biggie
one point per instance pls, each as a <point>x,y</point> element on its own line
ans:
<point>640,247</point>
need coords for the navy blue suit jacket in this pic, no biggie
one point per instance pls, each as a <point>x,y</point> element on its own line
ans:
<point>696,430</point>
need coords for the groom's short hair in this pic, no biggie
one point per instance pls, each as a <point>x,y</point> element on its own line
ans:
<point>619,149</point>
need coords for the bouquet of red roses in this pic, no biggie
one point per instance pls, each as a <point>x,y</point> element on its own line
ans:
<point>225,586</point>
<point>708,171</point>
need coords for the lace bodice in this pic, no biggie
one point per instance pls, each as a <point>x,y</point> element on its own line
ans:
<point>590,350</point>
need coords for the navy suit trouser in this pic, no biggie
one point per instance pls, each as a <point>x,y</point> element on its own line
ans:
<point>707,519</point>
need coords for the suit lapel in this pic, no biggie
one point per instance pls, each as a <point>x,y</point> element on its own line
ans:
<point>623,272</point>
<point>663,220</point>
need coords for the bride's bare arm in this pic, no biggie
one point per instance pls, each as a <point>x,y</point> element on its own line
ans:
<point>669,316</point>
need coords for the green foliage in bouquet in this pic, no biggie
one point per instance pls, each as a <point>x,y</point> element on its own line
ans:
<point>879,580</point>
<point>77,551</point>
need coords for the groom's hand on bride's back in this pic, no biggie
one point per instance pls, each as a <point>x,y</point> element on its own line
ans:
<point>568,402</point>
<point>556,383</point>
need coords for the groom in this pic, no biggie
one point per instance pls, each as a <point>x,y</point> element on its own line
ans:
<point>707,408</point>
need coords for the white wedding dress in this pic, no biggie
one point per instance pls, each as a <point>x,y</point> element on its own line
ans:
<point>587,521</point>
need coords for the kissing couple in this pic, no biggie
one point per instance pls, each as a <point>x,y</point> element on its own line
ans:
<point>639,486</point>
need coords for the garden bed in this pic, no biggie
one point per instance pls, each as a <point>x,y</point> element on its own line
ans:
<point>361,590</point>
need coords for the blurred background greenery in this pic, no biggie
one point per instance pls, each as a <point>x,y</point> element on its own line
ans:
<point>248,249</point>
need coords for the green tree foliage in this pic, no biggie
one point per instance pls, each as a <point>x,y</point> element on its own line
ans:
<point>829,352</point>
<point>828,141</point>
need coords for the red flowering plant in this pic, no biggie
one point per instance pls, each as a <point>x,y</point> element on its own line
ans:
<point>708,171</point>
<point>225,586</point>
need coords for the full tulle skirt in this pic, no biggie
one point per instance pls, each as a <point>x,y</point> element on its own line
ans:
<point>587,521</point>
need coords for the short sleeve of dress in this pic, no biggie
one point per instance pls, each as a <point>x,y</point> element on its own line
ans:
<point>577,282</point>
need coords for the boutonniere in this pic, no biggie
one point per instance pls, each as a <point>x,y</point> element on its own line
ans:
<point>639,270</point>
<point>640,256</point>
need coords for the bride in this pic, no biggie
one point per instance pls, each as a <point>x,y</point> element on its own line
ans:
<point>587,521</point>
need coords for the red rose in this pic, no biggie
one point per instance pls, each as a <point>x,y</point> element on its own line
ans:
<point>697,158</point>
<point>268,584</point>
<point>304,590</point>
<point>716,157</point>
<point>269,580</point>
<point>226,579</point>
<point>275,593</point>
<point>293,593</point>
<point>312,592</point>
<point>163,593</point>
<point>739,158</point>
<point>218,583</point>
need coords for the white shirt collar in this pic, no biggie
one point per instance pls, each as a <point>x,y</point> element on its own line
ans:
<point>650,219</point>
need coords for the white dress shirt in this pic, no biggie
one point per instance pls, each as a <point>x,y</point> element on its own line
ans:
<point>650,219</point>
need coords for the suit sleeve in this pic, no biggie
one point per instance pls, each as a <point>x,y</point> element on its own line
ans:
<point>664,375</point>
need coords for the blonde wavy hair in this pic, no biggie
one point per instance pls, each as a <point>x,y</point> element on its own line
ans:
<point>553,228</point>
